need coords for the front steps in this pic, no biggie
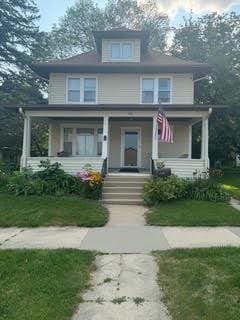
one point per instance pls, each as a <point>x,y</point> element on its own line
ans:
<point>124,188</point>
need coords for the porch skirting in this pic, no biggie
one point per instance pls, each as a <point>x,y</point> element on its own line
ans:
<point>184,167</point>
<point>69,165</point>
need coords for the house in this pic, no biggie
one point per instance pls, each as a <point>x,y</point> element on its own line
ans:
<point>103,108</point>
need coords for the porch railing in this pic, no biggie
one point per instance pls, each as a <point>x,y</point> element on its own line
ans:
<point>104,168</point>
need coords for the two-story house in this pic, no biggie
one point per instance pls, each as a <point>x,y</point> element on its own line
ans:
<point>103,104</point>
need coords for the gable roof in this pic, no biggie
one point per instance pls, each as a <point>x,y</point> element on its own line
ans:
<point>151,62</point>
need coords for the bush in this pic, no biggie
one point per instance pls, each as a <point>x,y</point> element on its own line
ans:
<point>206,189</point>
<point>164,189</point>
<point>3,180</point>
<point>52,180</point>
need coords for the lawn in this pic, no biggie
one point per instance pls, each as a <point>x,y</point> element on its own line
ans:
<point>42,284</point>
<point>231,182</point>
<point>34,211</point>
<point>193,213</point>
<point>201,284</point>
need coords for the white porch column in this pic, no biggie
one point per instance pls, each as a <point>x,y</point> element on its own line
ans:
<point>190,142</point>
<point>206,156</point>
<point>203,140</point>
<point>105,137</point>
<point>26,141</point>
<point>155,139</point>
<point>50,140</point>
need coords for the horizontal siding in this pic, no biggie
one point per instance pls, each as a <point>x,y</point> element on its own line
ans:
<point>121,88</point>
<point>69,165</point>
<point>184,167</point>
<point>106,54</point>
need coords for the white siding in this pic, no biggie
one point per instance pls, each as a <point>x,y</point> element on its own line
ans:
<point>69,165</point>
<point>106,53</point>
<point>121,88</point>
<point>184,167</point>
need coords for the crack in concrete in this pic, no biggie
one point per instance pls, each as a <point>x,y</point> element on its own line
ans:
<point>13,236</point>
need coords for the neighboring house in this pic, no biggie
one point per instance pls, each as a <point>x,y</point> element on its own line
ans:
<point>103,104</point>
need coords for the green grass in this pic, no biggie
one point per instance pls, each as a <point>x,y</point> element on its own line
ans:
<point>34,211</point>
<point>42,284</point>
<point>193,213</point>
<point>231,182</point>
<point>201,284</point>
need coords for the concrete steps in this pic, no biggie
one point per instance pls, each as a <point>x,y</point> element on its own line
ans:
<point>124,189</point>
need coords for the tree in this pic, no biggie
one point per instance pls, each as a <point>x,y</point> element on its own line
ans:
<point>21,43</point>
<point>73,33</point>
<point>215,39</point>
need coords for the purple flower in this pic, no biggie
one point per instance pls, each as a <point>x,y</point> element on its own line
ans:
<point>85,175</point>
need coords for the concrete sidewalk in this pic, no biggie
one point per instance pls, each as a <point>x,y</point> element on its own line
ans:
<point>124,239</point>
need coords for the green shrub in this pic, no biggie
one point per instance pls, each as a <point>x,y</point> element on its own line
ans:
<point>3,181</point>
<point>164,189</point>
<point>206,189</point>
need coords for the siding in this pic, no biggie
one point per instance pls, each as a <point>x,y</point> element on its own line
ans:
<point>106,54</point>
<point>121,88</point>
<point>180,145</point>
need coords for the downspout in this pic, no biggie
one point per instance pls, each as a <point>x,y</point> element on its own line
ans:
<point>23,162</point>
<point>207,161</point>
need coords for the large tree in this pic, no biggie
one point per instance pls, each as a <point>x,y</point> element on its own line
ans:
<point>20,45</point>
<point>73,33</point>
<point>215,39</point>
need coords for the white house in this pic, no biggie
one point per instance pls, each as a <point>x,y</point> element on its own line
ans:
<point>103,105</point>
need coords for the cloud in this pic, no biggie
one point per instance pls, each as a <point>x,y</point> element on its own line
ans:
<point>197,6</point>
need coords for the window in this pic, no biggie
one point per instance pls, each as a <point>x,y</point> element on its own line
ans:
<point>99,141</point>
<point>121,50</point>
<point>73,90</point>
<point>147,90</point>
<point>90,90</point>
<point>67,140</point>
<point>85,142</point>
<point>164,90</point>
<point>156,90</point>
<point>81,90</point>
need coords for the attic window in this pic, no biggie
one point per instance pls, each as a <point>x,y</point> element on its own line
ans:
<point>121,50</point>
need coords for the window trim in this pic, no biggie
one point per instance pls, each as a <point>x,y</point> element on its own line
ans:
<point>121,50</point>
<point>81,89</point>
<point>155,95</point>
<point>76,126</point>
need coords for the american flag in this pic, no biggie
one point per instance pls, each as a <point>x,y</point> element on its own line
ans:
<point>165,130</point>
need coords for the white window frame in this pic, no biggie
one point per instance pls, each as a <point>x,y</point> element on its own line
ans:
<point>76,126</point>
<point>121,43</point>
<point>155,78</point>
<point>81,89</point>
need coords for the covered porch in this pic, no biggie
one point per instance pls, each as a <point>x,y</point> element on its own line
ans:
<point>110,140</point>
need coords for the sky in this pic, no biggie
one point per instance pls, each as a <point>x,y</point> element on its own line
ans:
<point>52,10</point>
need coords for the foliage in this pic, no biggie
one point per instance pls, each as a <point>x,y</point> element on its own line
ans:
<point>93,182</point>
<point>73,33</point>
<point>164,189</point>
<point>215,39</point>
<point>52,180</point>
<point>206,189</point>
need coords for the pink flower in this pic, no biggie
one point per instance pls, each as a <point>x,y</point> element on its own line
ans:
<point>85,175</point>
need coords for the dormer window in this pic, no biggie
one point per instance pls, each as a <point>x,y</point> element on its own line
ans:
<point>121,50</point>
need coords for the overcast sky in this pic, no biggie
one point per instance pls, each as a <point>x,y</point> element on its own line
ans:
<point>51,10</point>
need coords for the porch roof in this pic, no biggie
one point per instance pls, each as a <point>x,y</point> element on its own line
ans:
<point>117,107</point>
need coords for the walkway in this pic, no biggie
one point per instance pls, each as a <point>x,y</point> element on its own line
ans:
<point>123,239</point>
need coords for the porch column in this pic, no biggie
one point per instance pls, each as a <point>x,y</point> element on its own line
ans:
<point>26,141</point>
<point>105,137</point>
<point>50,140</point>
<point>190,142</point>
<point>155,139</point>
<point>205,138</point>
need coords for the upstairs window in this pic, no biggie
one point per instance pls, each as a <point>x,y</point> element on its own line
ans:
<point>90,90</point>
<point>156,90</point>
<point>73,90</point>
<point>147,90</point>
<point>81,90</point>
<point>164,90</point>
<point>121,50</point>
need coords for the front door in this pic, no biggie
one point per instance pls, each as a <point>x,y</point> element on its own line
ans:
<point>130,148</point>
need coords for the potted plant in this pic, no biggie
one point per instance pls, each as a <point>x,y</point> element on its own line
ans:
<point>161,171</point>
